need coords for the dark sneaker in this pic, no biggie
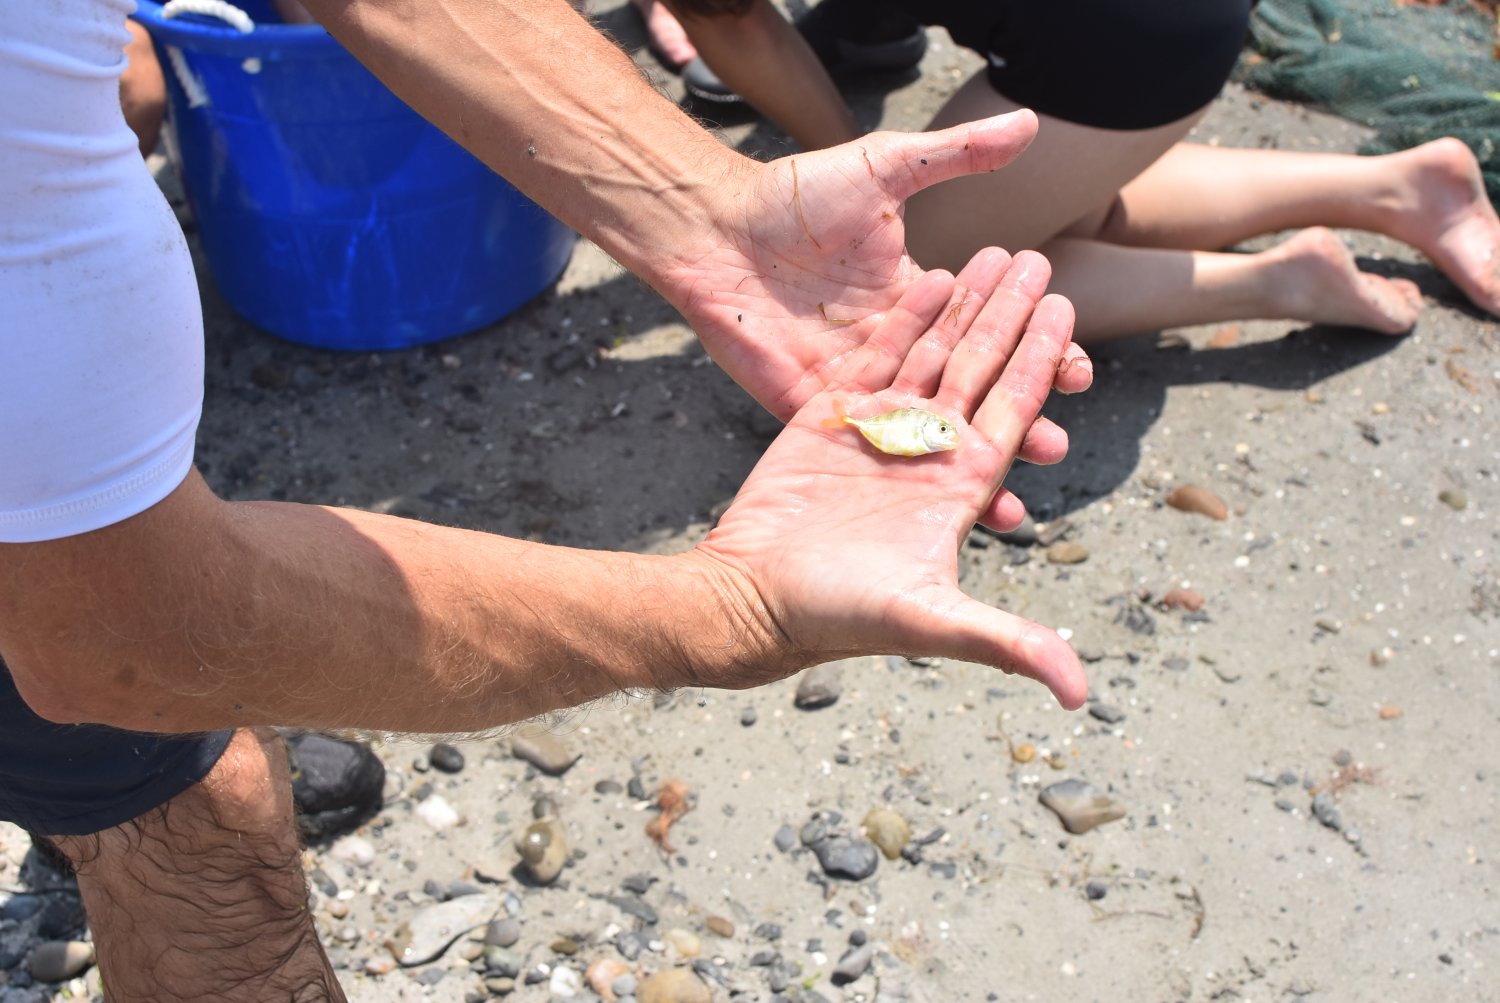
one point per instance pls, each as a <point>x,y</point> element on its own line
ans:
<point>337,785</point>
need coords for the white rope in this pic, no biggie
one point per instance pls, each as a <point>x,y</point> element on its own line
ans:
<point>237,19</point>
<point>224,11</point>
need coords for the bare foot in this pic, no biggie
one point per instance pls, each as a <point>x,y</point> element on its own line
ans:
<point>668,39</point>
<point>1318,281</point>
<point>1445,213</point>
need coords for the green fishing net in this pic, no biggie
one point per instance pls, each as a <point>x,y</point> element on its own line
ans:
<point>1412,70</point>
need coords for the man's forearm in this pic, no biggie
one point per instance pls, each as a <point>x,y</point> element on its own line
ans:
<point>538,94</point>
<point>200,614</point>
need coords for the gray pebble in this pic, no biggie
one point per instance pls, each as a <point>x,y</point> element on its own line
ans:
<point>624,985</point>
<point>858,938</point>
<point>1095,890</point>
<point>1080,806</point>
<point>820,686</point>
<point>636,788</point>
<point>815,830</point>
<point>846,857</point>
<point>502,932</point>
<point>853,964</point>
<point>542,749</point>
<point>786,838</point>
<point>446,758</point>
<point>629,945</point>
<point>1325,811</point>
<point>1107,713</point>
<point>1343,757</point>
<point>638,884</point>
<point>748,716</point>
<point>768,931</point>
<point>607,787</point>
<point>502,962</point>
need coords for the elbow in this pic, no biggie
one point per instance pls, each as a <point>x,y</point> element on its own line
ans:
<point>62,690</point>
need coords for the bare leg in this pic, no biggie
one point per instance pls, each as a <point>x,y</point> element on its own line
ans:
<point>1067,197</point>
<point>1119,291</point>
<point>667,35</point>
<point>204,897</point>
<point>1431,197</point>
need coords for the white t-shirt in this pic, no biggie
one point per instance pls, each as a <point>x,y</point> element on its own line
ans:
<point>101,334</point>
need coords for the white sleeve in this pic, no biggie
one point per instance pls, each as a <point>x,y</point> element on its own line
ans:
<point>101,335</point>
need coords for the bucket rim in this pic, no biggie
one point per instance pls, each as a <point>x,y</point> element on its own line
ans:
<point>215,36</point>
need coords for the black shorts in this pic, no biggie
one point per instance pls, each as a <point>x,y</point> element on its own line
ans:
<point>1113,64</point>
<point>74,779</point>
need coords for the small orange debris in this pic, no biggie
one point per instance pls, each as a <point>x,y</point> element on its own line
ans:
<point>1390,712</point>
<point>673,802</point>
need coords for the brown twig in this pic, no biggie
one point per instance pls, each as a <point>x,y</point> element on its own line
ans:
<point>797,199</point>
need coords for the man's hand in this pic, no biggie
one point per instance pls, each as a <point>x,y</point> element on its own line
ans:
<point>849,551</point>
<point>814,252</point>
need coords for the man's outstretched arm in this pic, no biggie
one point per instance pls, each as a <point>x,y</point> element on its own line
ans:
<point>200,614</point>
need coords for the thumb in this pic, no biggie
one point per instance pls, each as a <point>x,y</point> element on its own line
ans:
<point>965,628</point>
<point>907,162</point>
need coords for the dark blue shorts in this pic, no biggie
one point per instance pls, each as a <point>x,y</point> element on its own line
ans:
<point>74,779</point>
<point>1112,64</point>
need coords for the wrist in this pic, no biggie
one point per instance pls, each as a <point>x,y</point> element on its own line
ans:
<point>725,635</point>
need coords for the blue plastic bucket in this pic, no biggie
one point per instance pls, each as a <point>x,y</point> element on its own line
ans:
<point>330,213</point>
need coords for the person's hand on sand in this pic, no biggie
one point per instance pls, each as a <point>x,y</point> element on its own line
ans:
<point>801,280</point>
<point>840,549</point>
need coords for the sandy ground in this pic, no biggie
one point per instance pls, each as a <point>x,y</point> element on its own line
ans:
<point>1348,646</point>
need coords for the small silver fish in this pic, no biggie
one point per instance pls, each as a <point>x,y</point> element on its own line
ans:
<point>907,432</point>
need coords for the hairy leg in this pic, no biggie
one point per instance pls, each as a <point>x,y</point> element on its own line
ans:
<point>1431,197</point>
<point>1312,277</point>
<point>204,897</point>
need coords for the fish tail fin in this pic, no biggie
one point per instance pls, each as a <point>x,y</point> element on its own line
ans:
<point>840,416</point>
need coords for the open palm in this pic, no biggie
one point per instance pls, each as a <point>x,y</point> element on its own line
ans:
<point>851,551</point>
<point>802,280</point>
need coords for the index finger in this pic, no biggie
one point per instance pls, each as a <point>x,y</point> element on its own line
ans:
<point>1014,401</point>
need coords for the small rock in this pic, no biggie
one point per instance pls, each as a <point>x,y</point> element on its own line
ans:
<point>623,986</point>
<point>1390,712</point>
<point>60,960</point>
<point>673,985</point>
<point>853,964</point>
<point>719,926</point>
<point>684,942</point>
<point>1067,552</point>
<point>1192,498</point>
<point>502,932</point>
<point>748,716</point>
<point>542,749</point>
<point>1325,811</point>
<point>603,974</point>
<point>565,982</point>
<point>1106,713</point>
<point>544,850</point>
<point>786,838</point>
<point>1095,890</point>
<point>1343,757</point>
<point>380,966</point>
<point>1454,499</point>
<point>565,945</point>
<point>1080,806</point>
<point>446,758</point>
<point>819,686</point>
<point>429,933</point>
<point>437,813</point>
<point>1188,599</point>
<point>355,850</point>
<point>846,857</point>
<point>608,787</point>
<point>501,961</point>
<point>887,830</point>
<point>1225,337</point>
